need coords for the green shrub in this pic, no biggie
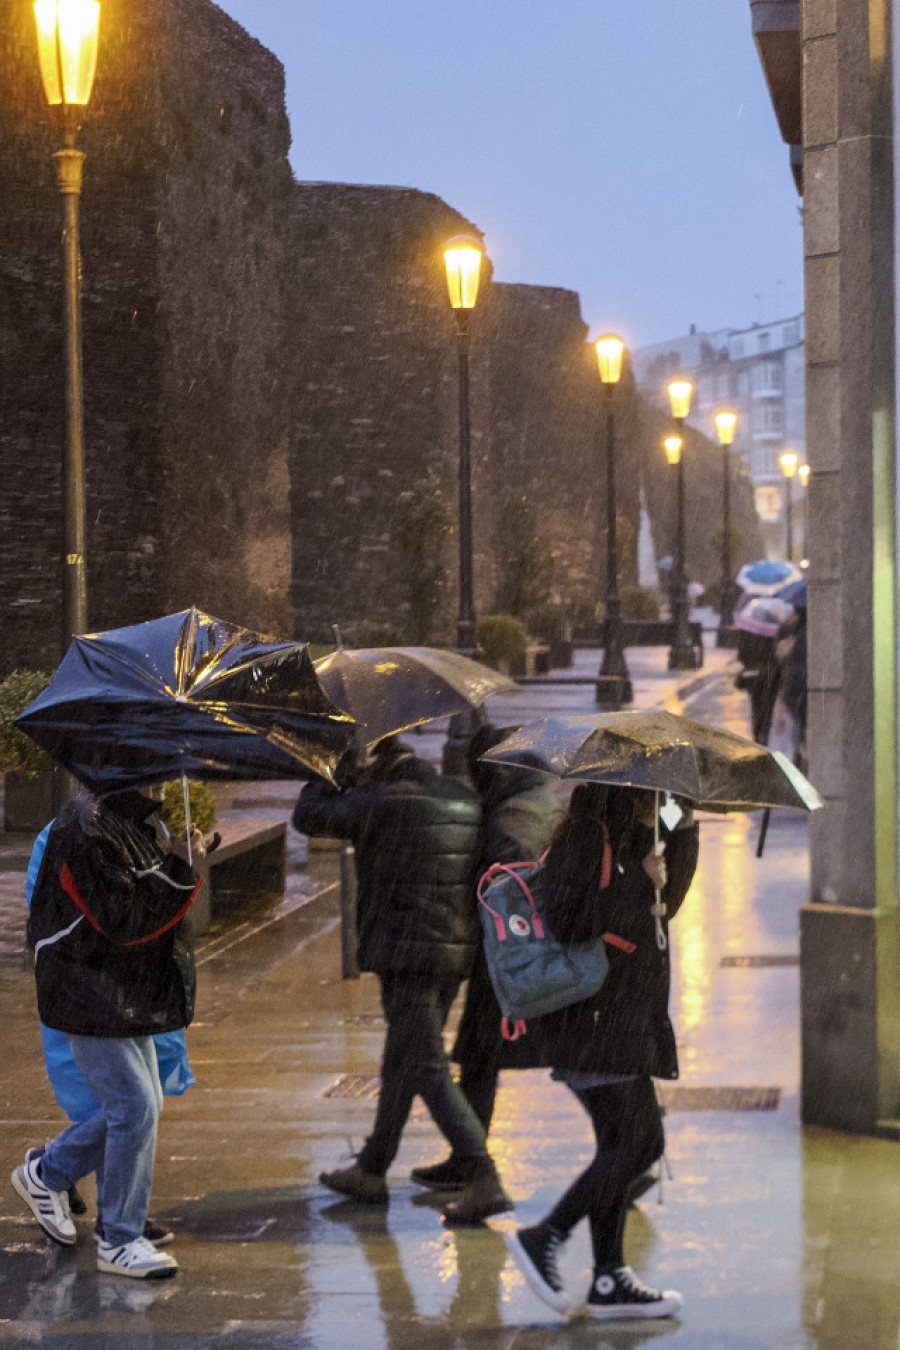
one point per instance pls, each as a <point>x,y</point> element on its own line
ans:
<point>638,603</point>
<point>550,623</point>
<point>18,752</point>
<point>202,802</point>
<point>501,637</point>
<point>371,633</point>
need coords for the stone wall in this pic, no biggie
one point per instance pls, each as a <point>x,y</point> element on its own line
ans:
<point>268,364</point>
<point>184,217</point>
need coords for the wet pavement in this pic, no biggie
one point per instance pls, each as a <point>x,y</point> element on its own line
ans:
<point>778,1237</point>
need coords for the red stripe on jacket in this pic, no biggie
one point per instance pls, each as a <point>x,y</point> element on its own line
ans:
<point>67,881</point>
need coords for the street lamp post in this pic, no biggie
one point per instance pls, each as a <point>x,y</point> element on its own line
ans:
<point>610,353</point>
<point>681,652</point>
<point>789,462</point>
<point>67,52</point>
<point>726,424</point>
<point>462,257</point>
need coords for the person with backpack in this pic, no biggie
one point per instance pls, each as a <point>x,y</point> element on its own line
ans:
<point>416,838</point>
<point>519,813</point>
<point>111,970</point>
<point>608,1048</point>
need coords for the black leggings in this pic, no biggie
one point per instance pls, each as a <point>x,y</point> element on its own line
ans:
<point>629,1135</point>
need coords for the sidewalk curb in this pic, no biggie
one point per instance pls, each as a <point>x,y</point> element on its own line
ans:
<point>694,686</point>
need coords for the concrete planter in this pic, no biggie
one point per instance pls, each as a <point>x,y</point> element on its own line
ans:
<point>27,802</point>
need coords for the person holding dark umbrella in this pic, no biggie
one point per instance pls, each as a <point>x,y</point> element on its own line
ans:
<point>416,836</point>
<point>520,812</point>
<point>112,971</point>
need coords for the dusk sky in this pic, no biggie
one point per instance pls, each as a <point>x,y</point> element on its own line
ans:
<point>624,149</point>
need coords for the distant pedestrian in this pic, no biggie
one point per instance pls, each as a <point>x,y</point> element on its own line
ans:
<point>607,1049</point>
<point>791,653</point>
<point>520,812</point>
<point>760,677</point>
<point>416,837</point>
<point>112,970</point>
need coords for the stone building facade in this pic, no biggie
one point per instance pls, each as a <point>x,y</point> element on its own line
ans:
<point>832,70</point>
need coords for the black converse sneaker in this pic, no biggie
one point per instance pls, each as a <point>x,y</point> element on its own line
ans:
<point>535,1251</point>
<point>616,1292</point>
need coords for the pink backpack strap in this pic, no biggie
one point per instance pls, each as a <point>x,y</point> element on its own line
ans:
<point>622,943</point>
<point>510,870</point>
<point>512,1033</point>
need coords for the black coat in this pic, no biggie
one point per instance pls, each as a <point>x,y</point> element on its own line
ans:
<point>105,911</point>
<point>519,815</point>
<point>625,1028</point>
<point>416,836</point>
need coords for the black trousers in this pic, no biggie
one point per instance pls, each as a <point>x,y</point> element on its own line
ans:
<point>629,1134</point>
<point>415,1063</point>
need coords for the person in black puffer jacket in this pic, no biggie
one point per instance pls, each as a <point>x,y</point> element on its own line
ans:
<point>520,812</point>
<point>608,1048</point>
<point>112,970</point>
<point>416,837</point>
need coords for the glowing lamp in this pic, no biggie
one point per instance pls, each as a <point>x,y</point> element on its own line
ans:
<point>67,48</point>
<point>680,392</point>
<point>789,461</point>
<point>610,351</point>
<point>803,474</point>
<point>673,445</point>
<point>462,257</point>
<point>726,425</point>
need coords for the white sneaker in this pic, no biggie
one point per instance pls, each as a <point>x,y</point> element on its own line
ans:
<point>617,1293</point>
<point>138,1259</point>
<point>50,1208</point>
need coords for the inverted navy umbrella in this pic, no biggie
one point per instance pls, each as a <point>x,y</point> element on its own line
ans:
<point>187,695</point>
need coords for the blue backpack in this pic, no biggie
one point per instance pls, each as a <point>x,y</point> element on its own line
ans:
<point>532,973</point>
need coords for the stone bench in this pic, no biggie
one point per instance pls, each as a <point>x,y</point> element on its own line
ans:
<point>250,860</point>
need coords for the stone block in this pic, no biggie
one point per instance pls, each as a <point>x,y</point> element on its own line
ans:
<point>822,310</point>
<point>820,201</point>
<point>826,742</point>
<point>826,663</point>
<point>819,19</point>
<point>820,93</point>
<point>823,417</point>
<point>826,839</point>
<point>825,503</point>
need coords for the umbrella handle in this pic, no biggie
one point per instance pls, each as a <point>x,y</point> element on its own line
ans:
<point>658,909</point>
<point>187,818</point>
<point>763,831</point>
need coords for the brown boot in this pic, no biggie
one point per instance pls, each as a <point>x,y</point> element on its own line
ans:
<point>359,1185</point>
<point>478,1201</point>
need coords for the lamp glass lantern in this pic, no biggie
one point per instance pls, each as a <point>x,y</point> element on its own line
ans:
<point>610,353</point>
<point>462,258</point>
<point>789,462</point>
<point>726,426</point>
<point>680,392</point>
<point>673,446</point>
<point>803,474</point>
<point>67,49</point>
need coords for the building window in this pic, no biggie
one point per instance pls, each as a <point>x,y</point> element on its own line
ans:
<point>767,378</point>
<point>764,341</point>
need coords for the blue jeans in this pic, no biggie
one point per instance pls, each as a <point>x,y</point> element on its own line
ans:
<point>118,1142</point>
